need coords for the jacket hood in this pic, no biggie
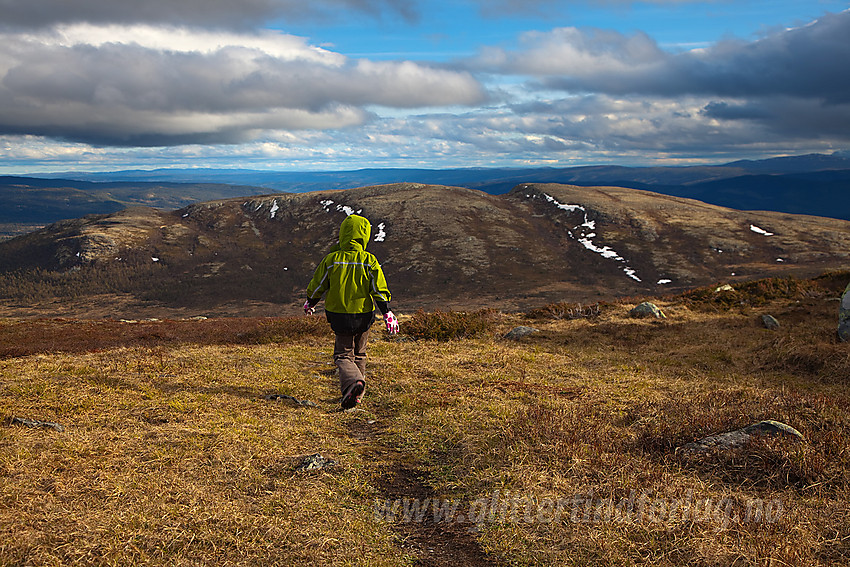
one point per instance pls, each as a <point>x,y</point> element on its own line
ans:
<point>354,233</point>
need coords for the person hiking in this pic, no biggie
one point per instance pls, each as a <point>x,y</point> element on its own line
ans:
<point>353,284</point>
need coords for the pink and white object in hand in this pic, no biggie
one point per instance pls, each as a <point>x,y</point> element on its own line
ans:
<point>391,322</point>
<point>308,310</point>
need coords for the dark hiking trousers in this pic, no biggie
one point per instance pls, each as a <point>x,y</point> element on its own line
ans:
<point>350,359</point>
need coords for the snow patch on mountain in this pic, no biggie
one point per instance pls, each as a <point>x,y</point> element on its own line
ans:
<point>584,232</point>
<point>382,235</point>
<point>326,205</point>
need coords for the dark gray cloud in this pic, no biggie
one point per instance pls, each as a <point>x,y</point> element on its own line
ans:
<point>812,61</point>
<point>212,13</point>
<point>727,111</point>
<point>791,118</point>
<point>251,13</point>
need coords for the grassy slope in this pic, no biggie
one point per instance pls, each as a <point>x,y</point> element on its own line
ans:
<point>172,456</point>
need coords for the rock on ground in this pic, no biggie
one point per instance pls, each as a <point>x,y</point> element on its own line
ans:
<point>35,423</point>
<point>770,322</point>
<point>290,399</point>
<point>844,316</point>
<point>738,438</point>
<point>519,332</point>
<point>315,462</point>
<point>647,309</point>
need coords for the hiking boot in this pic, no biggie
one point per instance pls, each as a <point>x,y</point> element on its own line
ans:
<point>352,397</point>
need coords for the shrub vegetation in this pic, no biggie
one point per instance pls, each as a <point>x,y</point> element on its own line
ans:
<point>451,325</point>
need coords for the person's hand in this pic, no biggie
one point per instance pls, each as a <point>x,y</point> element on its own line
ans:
<point>308,310</point>
<point>391,322</point>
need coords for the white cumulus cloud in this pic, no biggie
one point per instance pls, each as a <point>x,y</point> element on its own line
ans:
<point>142,85</point>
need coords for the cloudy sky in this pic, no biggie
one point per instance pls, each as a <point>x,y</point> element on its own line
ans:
<point>94,85</point>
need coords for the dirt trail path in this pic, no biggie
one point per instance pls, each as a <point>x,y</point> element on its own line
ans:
<point>434,543</point>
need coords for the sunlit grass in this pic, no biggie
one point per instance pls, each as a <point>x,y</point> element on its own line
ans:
<point>176,456</point>
<point>172,455</point>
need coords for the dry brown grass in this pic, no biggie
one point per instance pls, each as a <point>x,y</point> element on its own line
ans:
<point>172,456</point>
<point>21,338</point>
<point>600,406</point>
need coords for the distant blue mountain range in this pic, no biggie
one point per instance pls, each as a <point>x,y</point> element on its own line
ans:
<point>814,184</point>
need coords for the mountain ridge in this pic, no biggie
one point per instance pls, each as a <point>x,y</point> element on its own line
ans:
<point>814,184</point>
<point>776,165</point>
<point>27,203</point>
<point>441,247</point>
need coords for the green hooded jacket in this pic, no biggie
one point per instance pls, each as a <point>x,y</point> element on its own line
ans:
<point>349,277</point>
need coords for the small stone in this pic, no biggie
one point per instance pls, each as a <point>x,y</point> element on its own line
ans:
<point>295,401</point>
<point>724,287</point>
<point>519,332</point>
<point>34,423</point>
<point>647,309</point>
<point>315,462</point>
<point>770,322</point>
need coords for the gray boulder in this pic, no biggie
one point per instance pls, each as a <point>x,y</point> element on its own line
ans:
<point>647,309</point>
<point>738,438</point>
<point>844,316</point>
<point>519,332</point>
<point>770,322</point>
